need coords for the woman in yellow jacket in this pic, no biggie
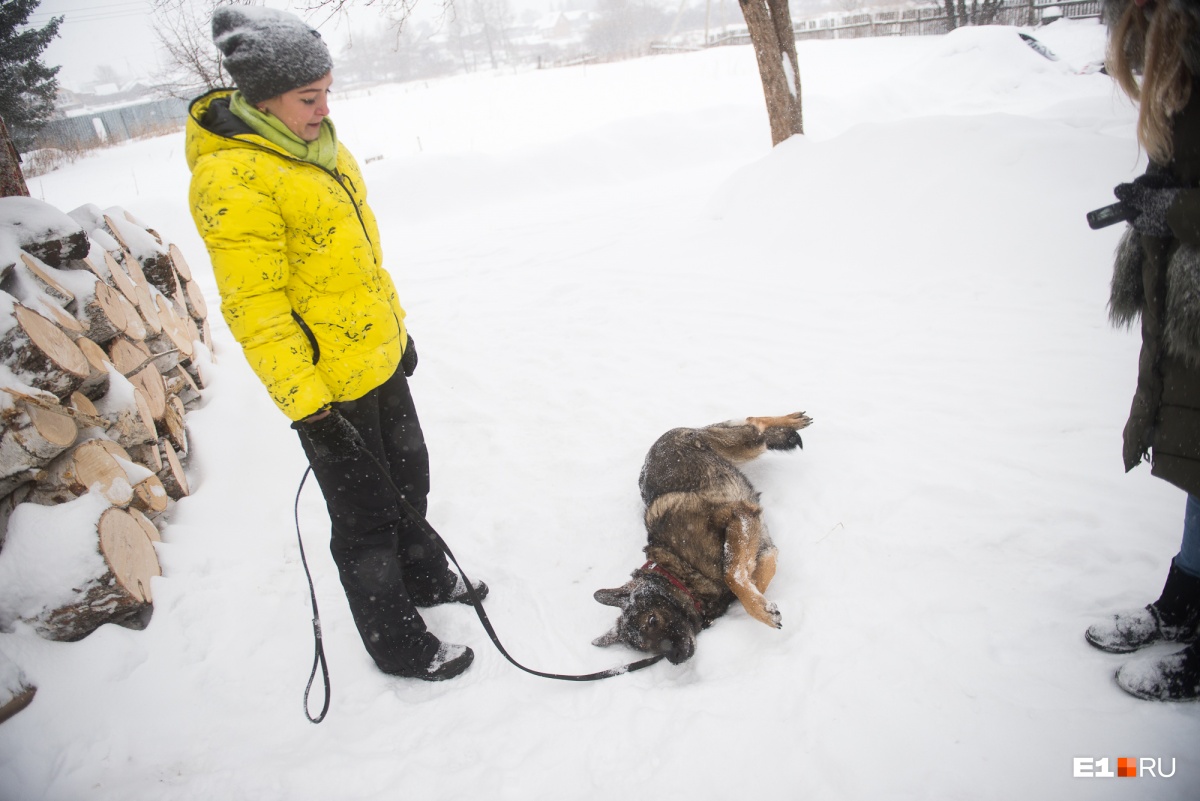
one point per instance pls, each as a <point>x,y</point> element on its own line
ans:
<point>282,208</point>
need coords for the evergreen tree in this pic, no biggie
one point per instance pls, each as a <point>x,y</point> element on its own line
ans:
<point>27,86</point>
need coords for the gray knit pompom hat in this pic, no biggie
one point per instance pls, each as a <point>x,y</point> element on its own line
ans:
<point>267,51</point>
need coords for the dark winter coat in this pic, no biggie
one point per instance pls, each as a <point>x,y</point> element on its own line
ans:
<point>1158,280</point>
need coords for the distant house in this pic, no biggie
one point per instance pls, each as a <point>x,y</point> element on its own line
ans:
<point>564,25</point>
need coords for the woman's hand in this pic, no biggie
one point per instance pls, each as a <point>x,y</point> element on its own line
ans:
<point>328,437</point>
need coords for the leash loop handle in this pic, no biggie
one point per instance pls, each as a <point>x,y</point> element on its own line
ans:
<point>319,657</point>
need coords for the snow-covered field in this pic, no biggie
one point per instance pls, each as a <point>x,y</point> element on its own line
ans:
<point>589,257</point>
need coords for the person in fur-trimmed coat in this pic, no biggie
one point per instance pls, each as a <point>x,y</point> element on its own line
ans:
<point>1156,280</point>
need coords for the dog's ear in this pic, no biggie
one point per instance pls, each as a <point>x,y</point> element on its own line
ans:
<point>616,597</point>
<point>612,638</point>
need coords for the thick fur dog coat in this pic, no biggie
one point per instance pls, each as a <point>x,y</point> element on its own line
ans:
<point>707,543</point>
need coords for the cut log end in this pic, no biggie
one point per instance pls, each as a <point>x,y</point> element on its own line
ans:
<point>129,553</point>
<point>44,356</point>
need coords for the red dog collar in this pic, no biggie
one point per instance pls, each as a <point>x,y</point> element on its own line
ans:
<point>655,567</point>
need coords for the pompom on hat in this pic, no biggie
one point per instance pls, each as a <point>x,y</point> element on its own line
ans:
<point>267,51</point>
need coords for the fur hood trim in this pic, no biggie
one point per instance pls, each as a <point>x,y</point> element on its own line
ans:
<point>1181,328</point>
<point>1181,323</point>
<point>1127,294</point>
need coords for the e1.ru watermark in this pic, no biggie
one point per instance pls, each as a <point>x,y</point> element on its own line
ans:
<point>1127,768</point>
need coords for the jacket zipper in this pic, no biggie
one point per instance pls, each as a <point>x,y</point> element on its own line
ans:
<point>337,176</point>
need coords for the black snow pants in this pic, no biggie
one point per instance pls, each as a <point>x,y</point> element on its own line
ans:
<point>387,563</point>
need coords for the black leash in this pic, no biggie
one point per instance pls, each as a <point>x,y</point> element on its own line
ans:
<point>319,659</point>
<point>476,602</point>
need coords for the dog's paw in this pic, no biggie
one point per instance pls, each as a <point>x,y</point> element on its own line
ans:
<point>774,618</point>
<point>783,439</point>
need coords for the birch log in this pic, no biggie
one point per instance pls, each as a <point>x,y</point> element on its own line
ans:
<point>129,419</point>
<point>172,476</point>
<point>89,466</point>
<point>121,593</point>
<point>31,435</point>
<point>98,382</point>
<point>44,280</point>
<point>41,355</point>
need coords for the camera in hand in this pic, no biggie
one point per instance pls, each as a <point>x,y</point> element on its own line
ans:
<point>1109,215</point>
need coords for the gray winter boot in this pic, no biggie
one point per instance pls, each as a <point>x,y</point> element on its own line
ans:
<point>1174,617</point>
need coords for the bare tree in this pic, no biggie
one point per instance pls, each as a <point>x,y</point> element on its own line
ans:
<point>394,54</point>
<point>193,61</point>
<point>770,25</point>
<point>626,27</point>
<point>106,73</point>
<point>398,11</point>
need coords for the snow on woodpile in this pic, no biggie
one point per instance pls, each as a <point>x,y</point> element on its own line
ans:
<point>103,342</point>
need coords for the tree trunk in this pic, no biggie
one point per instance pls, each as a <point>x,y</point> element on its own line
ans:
<point>12,180</point>
<point>951,22</point>
<point>770,25</point>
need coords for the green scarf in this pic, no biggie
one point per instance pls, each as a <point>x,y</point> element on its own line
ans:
<point>322,152</point>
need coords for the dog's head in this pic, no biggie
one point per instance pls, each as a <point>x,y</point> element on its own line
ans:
<point>651,620</point>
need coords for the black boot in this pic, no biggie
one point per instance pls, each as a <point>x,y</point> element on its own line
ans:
<point>449,661</point>
<point>1174,617</point>
<point>1174,677</point>
<point>448,588</point>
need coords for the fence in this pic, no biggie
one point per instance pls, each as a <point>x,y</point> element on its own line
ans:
<point>930,20</point>
<point>111,125</point>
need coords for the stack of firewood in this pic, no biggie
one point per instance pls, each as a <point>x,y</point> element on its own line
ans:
<point>103,344</point>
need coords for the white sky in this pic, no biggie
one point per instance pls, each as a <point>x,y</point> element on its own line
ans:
<point>97,32</point>
<point>119,33</point>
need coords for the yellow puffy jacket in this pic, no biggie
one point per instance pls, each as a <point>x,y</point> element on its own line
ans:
<point>295,250</point>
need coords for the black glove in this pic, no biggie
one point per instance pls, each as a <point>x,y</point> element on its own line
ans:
<point>408,362</point>
<point>331,439</point>
<point>1148,197</point>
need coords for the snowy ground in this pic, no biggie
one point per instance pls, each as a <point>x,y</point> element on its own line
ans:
<point>589,257</point>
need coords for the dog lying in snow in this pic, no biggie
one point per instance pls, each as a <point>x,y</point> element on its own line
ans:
<point>707,542</point>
